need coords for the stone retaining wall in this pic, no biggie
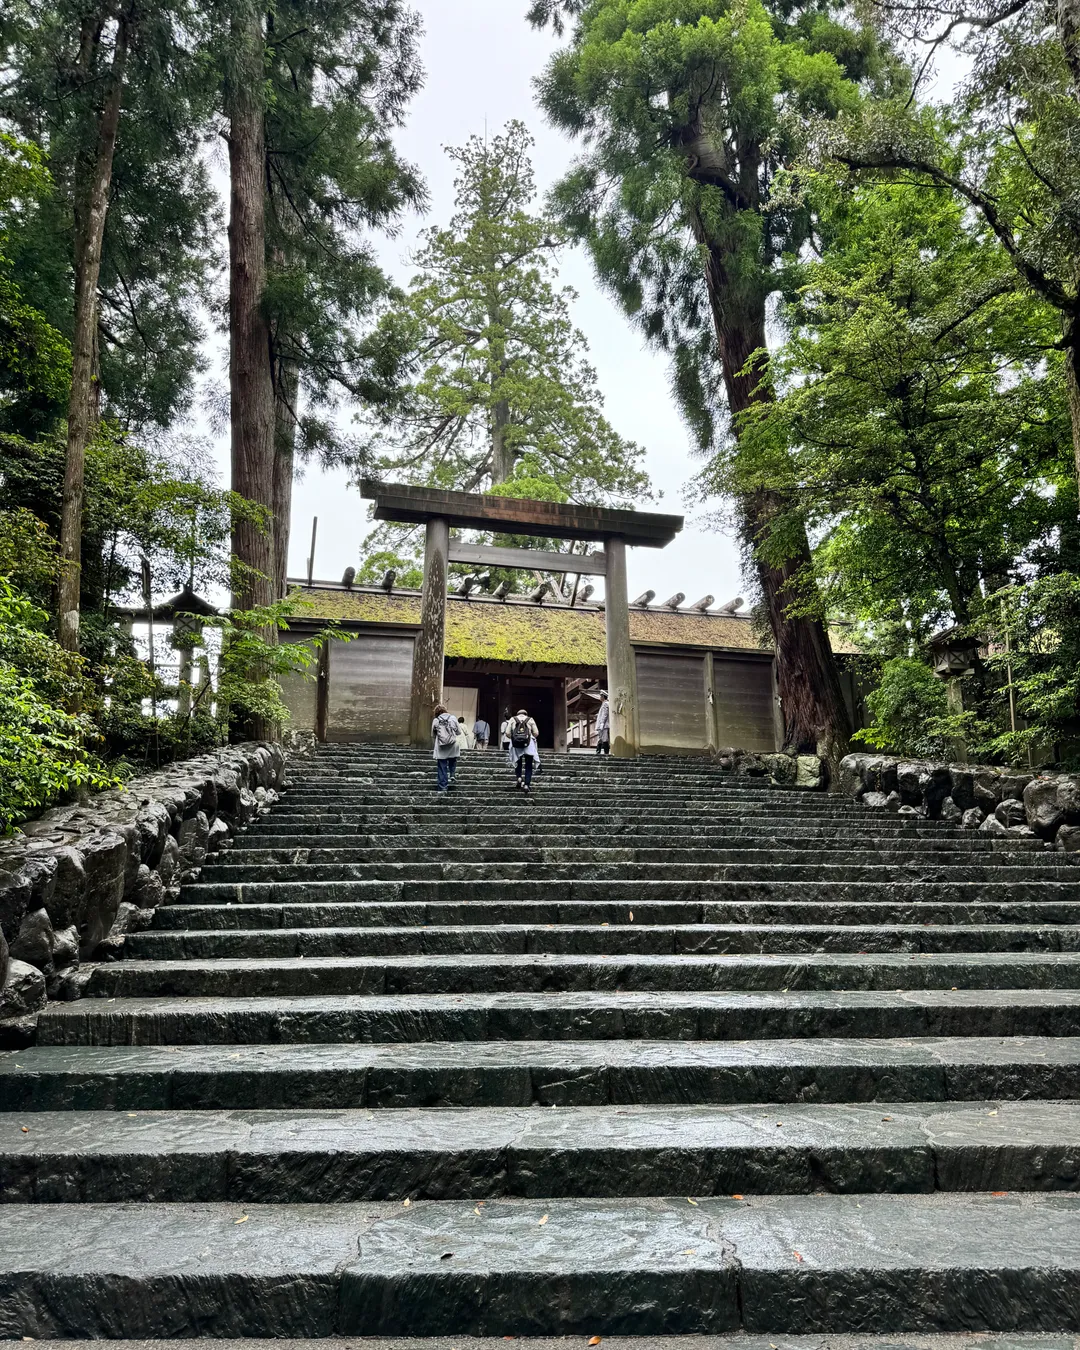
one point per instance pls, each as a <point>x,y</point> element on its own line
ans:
<point>81,876</point>
<point>973,796</point>
<point>782,770</point>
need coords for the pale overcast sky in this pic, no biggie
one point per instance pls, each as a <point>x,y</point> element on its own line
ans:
<point>480,57</point>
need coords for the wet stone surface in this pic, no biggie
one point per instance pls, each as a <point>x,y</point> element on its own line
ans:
<point>754,1067</point>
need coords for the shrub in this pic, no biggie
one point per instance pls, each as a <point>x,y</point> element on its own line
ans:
<point>909,711</point>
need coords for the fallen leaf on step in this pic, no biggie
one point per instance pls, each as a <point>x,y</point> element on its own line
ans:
<point>736,1197</point>
<point>542,1221</point>
<point>886,1118</point>
<point>631,916</point>
<point>997,1195</point>
<point>690,1251</point>
<point>406,1203</point>
<point>691,1202</point>
<point>243,1220</point>
<point>594,1340</point>
<point>446,1256</point>
<point>797,1255</point>
<point>991,1113</point>
<point>26,1129</point>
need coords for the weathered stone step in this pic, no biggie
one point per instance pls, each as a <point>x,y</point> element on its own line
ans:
<point>502,974</point>
<point>331,1157</point>
<point>631,893</point>
<point>1053,865</point>
<point>660,1015</point>
<point>624,938</point>
<point>899,845</point>
<point>389,798</point>
<point>539,812</point>
<point>967,874</point>
<point>366,914</point>
<point>857,832</point>
<point>537,1073</point>
<point>589,1267</point>
<point>734,1340</point>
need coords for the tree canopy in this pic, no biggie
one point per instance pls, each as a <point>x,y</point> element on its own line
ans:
<point>496,379</point>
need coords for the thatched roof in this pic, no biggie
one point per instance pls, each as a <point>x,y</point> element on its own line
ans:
<point>518,631</point>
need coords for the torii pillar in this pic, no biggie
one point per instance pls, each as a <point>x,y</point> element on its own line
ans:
<point>621,664</point>
<point>439,511</point>
<point>427,671</point>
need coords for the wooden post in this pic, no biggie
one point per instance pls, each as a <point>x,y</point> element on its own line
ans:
<point>621,672</point>
<point>561,716</point>
<point>427,675</point>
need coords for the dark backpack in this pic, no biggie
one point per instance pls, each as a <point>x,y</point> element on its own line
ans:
<point>520,735</point>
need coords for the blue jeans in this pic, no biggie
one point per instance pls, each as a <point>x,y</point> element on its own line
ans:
<point>445,768</point>
<point>527,760</point>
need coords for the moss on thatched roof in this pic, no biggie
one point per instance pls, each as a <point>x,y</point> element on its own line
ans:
<point>516,632</point>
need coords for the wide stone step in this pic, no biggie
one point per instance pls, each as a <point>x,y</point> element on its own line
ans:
<point>370,914</point>
<point>570,1266</point>
<point>331,1157</point>
<point>500,799</point>
<point>951,842</point>
<point>621,939</point>
<point>734,1340</point>
<point>542,818</point>
<point>631,893</point>
<point>1053,865</point>
<point>504,974</point>
<point>586,864</point>
<point>538,1073</point>
<point>661,1015</point>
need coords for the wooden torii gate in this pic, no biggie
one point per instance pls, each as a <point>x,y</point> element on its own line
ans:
<point>440,511</point>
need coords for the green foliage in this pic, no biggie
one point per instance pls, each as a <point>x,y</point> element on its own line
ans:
<point>921,433</point>
<point>688,114</point>
<point>35,362</point>
<point>28,554</point>
<point>45,749</point>
<point>1037,644</point>
<point>410,571</point>
<point>908,711</point>
<point>158,246</point>
<point>1010,153</point>
<point>250,660</point>
<point>340,76</point>
<point>496,373</point>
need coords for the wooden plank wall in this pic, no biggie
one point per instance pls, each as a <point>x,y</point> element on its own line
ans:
<point>370,688</point>
<point>743,691</point>
<point>672,702</point>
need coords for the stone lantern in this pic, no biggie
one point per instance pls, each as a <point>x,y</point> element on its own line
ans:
<point>954,654</point>
<point>185,612</point>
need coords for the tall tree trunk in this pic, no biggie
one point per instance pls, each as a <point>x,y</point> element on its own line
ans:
<point>502,457</point>
<point>251,387</point>
<point>286,394</point>
<point>91,209</point>
<point>1072,384</point>
<point>811,700</point>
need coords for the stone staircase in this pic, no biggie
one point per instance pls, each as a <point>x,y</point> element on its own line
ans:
<point>654,1051</point>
